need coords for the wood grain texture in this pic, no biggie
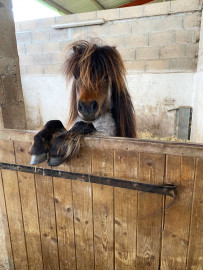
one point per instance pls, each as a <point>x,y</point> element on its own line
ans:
<point>46,210</point>
<point>125,203</point>
<point>151,170</point>
<point>179,171</point>
<point>64,218</point>
<point>7,240</point>
<point>83,220</point>
<point>137,145</point>
<point>29,208</point>
<point>102,164</point>
<point>82,203</point>
<point>30,218</point>
<point>22,155</point>
<point>77,225</point>
<point>13,206</point>
<point>80,163</point>
<point>7,152</point>
<point>195,254</point>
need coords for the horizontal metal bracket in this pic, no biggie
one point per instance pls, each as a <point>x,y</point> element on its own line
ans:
<point>78,24</point>
<point>167,189</point>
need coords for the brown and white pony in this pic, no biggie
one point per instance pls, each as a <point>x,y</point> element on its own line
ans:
<point>100,103</point>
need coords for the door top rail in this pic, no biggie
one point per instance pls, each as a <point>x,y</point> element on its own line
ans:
<point>138,145</point>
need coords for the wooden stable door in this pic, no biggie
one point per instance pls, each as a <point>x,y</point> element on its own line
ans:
<point>54,223</point>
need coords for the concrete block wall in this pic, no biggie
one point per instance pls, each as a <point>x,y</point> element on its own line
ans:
<point>151,38</point>
<point>158,42</point>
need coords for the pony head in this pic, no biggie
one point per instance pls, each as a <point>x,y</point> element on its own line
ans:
<point>99,85</point>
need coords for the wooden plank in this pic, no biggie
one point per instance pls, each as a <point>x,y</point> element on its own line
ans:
<point>29,208</point>
<point>179,171</point>
<point>16,134</point>
<point>82,204</point>
<point>80,163</point>
<point>145,146</point>
<point>7,151</point>
<point>46,210</point>
<point>13,207</point>
<point>102,164</point>
<point>64,218</point>
<point>125,203</point>
<point>195,254</point>
<point>137,145</point>
<point>151,170</point>
<point>22,152</point>
<point>6,249</point>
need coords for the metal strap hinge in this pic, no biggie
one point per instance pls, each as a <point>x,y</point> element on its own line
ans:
<point>167,189</point>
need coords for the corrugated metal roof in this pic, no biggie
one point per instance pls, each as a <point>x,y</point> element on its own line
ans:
<point>80,6</point>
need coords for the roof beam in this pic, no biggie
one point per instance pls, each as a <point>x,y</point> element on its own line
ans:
<point>57,6</point>
<point>98,4</point>
<point>136,3</point>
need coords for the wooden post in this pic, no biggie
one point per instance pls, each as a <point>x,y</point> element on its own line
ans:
<point>12,109</point>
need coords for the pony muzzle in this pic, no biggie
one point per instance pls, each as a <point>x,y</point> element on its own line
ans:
<point>88,110</point>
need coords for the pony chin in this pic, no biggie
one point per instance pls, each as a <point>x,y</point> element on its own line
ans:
<point>88,120</point>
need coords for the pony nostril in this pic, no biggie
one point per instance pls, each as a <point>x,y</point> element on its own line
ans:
<point>94,105</point>
<point>81,106</point>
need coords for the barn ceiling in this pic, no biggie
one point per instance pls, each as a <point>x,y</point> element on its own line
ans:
<point>80,6</point>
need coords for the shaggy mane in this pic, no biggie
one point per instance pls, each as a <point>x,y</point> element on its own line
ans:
<point>90,63</point>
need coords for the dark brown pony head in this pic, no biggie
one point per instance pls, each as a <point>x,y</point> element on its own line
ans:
<point>99,85</point>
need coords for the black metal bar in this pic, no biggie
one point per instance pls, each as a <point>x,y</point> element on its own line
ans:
<point>168,190</point>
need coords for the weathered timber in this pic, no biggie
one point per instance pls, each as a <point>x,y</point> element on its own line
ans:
<point>168,190</point>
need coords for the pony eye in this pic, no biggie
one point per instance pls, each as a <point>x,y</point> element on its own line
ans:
<point>106,77</point>
<point>75,76</point>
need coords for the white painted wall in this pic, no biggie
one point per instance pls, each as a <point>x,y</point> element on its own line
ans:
<point>47,97</point>
<point>155,94</point>
<point>197,126</point>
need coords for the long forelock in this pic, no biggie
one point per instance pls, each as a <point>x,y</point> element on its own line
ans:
<point>90,63</point>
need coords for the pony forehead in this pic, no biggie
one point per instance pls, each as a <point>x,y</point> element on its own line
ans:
<point>91,62</point>
<point>95,57</point>
<point>84,51</point>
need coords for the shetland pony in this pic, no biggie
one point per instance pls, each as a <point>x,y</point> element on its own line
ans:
<point>100,103</point>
